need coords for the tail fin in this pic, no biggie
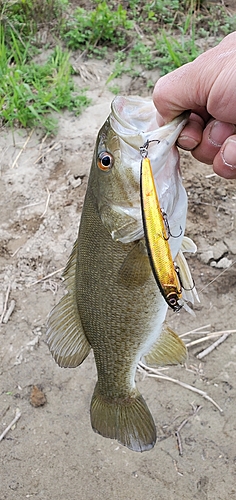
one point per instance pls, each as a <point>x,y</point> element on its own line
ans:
<point>127,420</point>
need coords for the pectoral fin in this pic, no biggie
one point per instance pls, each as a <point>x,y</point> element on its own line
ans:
<point>168,350</point>
<point>123,223</point>
<point>135,269</point>
<point>65,336</point>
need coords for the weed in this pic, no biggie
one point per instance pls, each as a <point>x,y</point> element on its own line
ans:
<point>120,67</point>
<point>98,52</point>
<point>150,84</point>
<point>144,55</point>
<point>175,53</point>
<point>28,92</point>
<point>115,89</point>
<point>220,23</point>
<point>103,26</point>
<point>26,17</point>
<point>162,12</point>
<point>153,34</point>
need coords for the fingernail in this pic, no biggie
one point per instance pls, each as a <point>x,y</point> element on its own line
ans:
<point>228,153</point>
<point>187,143</point>
<point>219,132</point>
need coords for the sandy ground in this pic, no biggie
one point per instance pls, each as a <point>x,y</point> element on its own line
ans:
<point>52,452</point>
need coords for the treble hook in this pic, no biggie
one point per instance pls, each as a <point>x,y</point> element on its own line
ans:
<point>144,149</point>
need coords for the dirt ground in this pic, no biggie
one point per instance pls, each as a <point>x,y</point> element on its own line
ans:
<point>52,452</point>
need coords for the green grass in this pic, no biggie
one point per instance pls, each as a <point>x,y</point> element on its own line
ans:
<point>25,17</point>
<point>100,26</point>
<point>133,34</point>
<point>29,91</point>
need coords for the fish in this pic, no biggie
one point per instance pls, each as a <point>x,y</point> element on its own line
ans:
<point>112,304</point>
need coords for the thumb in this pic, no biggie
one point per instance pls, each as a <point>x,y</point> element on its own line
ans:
<point>179,91</point>
<point>224,163</point>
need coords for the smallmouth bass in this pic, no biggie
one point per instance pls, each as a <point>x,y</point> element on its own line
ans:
<point>113,304</point>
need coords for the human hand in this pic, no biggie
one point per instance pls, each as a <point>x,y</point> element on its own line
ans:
<point>207,87</point>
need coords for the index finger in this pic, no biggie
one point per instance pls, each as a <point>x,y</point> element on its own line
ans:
<point>174,93</point>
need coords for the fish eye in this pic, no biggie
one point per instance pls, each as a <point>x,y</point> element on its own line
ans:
<point>105,161</point>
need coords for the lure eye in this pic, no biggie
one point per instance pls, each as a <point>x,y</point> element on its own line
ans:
<point>105,161</point>
<point>173,302</point>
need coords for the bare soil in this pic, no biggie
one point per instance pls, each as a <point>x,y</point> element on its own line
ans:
<point>52,452</point>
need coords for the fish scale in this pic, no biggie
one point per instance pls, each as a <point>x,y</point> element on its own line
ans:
<point>110,323</point>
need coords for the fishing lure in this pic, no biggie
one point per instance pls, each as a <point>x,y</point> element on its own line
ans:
<point>157,233</point>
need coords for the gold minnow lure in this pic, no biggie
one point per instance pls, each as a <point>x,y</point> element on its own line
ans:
<point>156,234</point>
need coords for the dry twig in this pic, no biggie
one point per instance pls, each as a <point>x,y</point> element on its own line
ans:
<point>5,303</point>
<point>47,203</point>
<point>213,346</point>
<point>210,336</point>
<point>16,251</point>
<point>9,311</point>
<point>196,330</point>
<point>48,276</point>
<point>202,339</point>
<point>1,303</point>
<point>152,372</point>
<point>31,205</point>
<point>177,432</point>
<point>22,149</point>
<point>218,275</point>
<point>8,428</point>
<point>46,152</point>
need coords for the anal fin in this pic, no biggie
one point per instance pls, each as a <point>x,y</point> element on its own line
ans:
<point>128,420</point>
<point>168,350</point>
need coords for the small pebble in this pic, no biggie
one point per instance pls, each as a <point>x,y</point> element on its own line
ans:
<point>37,397</point>
<point>222,264</point>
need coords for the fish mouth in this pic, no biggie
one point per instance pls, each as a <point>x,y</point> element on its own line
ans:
<point>134,120</point>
